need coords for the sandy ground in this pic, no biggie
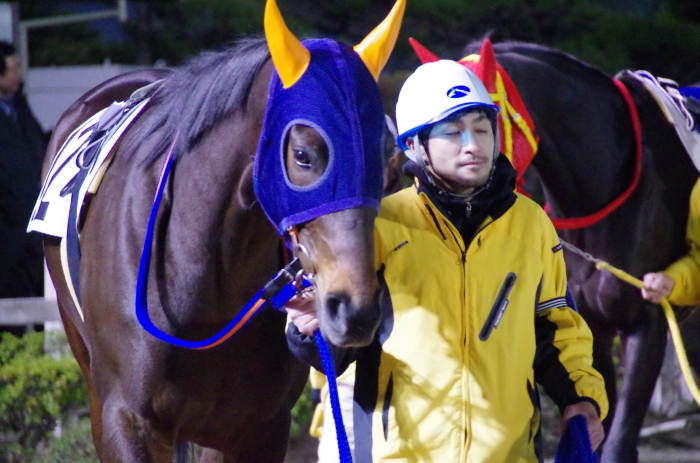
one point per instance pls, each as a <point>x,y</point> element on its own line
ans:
<point>674,455</point>
<point>671,447</point>
<point>303,450</point>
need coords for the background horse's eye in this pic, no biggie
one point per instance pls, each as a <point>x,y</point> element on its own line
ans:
<point>302,159</point>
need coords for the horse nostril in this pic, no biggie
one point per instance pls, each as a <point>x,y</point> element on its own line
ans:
<point>347,324</point>
<point>337,304</point>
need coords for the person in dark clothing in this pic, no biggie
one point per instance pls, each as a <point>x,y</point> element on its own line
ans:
<point>22,149</point>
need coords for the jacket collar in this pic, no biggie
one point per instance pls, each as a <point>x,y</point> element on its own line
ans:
<point>466,216</point>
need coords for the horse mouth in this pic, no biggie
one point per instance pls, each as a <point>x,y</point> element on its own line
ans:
<point>348,325</point>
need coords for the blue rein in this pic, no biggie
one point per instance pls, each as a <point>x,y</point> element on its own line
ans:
<point>574,447</point>
<point>276,292</point>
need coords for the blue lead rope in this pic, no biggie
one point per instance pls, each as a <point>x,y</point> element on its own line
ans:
<point>329,370</point>
<point>575,444</point>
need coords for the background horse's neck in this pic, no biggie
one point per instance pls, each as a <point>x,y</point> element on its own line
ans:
<point>586,145</point>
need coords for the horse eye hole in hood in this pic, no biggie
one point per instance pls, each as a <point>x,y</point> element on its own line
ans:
<point>307,155</point>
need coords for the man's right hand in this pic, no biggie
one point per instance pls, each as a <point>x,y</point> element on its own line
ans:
<point>302,311</point>
<point>656,287</point>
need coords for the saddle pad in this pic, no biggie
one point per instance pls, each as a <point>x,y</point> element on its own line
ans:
<point>50,215</point>
<point>671,103</point>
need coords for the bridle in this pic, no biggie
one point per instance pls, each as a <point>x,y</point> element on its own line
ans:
<point>296,247</point>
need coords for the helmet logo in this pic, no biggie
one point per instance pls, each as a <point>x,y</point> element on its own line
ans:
<point>460,91</point>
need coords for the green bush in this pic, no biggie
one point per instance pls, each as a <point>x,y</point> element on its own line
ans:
<point>74,446</point>
<point>302,413</point>
<point>36,389</point>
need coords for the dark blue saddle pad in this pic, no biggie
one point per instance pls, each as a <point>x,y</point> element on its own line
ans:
<point>693,92</point>
<point>692,104</point>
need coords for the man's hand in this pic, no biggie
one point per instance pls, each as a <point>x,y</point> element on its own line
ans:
<point>657,287</point>
<point>595,427</point>
<point>302,311</point>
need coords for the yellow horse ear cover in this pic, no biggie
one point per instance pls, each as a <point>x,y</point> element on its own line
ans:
<point>377,46</point>
<point>290,57</point>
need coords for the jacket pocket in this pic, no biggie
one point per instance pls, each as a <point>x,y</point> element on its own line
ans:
<point>499,307</point>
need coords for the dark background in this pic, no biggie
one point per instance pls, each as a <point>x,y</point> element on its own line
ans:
<point>661,36</point>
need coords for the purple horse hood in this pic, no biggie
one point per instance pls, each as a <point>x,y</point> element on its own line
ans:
<point>338,97</point>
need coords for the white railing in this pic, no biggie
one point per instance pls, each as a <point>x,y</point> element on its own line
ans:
<point>28,311</point>
<point>120,12</point>
<point>33,310</point>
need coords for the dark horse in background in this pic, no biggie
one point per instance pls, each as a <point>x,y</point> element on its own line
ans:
<point>586,159</point>
<point>214,248</point>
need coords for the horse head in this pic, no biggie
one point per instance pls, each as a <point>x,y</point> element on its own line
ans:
<point>318,169</point>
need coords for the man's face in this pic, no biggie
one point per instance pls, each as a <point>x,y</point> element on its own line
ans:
<point>461,152</point>
<point>12,78</point>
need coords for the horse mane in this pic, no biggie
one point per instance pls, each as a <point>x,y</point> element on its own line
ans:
<point>555,58</point>
<point>200,94</point>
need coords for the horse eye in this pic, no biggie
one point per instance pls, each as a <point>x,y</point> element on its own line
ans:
<point>302,159</point>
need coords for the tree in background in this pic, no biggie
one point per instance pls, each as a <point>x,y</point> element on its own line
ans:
<point>685,10</point>
<point>661,36</point>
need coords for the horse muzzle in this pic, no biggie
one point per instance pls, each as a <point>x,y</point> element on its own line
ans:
<point>345,323</point>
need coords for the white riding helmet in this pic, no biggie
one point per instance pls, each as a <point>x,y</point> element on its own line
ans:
<point>433,92</point>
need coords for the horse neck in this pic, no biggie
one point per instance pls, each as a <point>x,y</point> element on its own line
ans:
<point>580,178</point>
<point>218,236</point>
<point>586,151</point>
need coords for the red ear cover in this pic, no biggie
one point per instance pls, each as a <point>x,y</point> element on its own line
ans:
<point>424,55</point>
<point>486,67</point>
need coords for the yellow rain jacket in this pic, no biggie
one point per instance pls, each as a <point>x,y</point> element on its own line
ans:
<point>685,272</point>
<point>466,333</point>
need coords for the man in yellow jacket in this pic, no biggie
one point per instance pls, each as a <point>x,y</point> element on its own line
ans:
<point>680,282</point>
<point>475,307</point>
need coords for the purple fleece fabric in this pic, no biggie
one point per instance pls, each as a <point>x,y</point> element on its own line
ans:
<point>338,97</point>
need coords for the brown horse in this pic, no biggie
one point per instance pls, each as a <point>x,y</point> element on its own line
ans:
<point>585,160</point>
<point>214,247</point>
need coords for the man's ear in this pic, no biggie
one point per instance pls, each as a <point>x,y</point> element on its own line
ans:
<point>410,142</point>
<point>417,149</point>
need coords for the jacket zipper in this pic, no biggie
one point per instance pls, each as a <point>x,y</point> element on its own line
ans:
<point>465,391</point>
<point>465,357</point>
